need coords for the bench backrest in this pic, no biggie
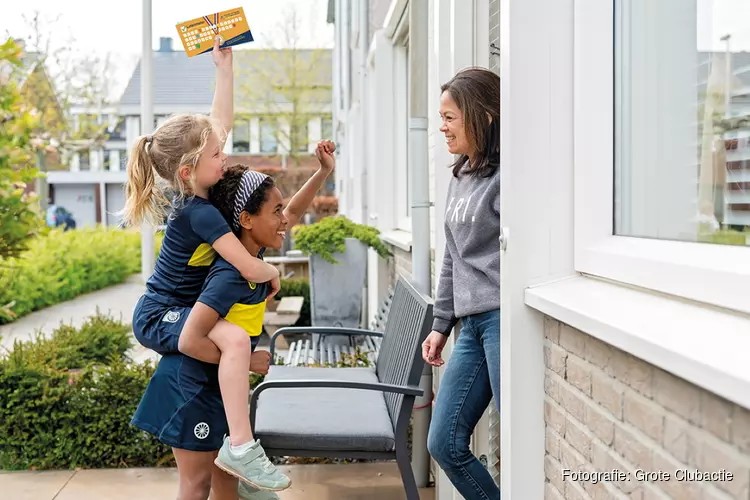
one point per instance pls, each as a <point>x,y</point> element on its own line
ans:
<point>400,358</point>
<point>381,315</point>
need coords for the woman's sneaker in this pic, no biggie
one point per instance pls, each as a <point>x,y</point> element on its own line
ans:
<point>252,467</point>
<point>247,492</point>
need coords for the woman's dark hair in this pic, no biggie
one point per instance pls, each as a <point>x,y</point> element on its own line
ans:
<point>222,194</point>
<point>476,92</point>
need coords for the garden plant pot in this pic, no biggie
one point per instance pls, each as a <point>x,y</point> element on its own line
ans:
<point>336,289</point>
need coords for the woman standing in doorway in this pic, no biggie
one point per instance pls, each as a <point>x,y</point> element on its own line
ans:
<point>469,284</point>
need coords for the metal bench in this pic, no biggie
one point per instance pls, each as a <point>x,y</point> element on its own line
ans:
<point>350,412</point>
<point>325,346</point>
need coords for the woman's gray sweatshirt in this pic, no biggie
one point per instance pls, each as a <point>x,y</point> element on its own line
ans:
<point>469,281</point>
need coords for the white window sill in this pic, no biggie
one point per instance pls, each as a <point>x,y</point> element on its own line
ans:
<point>398,238</point>
<point>703,345</point>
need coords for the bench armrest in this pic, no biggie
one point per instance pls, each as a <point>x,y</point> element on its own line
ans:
<point>337,384</point>
<point>324,330</point>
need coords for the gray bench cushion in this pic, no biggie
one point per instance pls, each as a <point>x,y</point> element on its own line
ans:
<point>321,418</point>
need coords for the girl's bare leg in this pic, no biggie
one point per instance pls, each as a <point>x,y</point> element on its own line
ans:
<point>223,486</point>
<point>195,471</point>
<point>234,382</point>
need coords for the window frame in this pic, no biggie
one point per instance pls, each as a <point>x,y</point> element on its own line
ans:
<point>273,123</point>
<point>329,120</point>
<point>241,121</point>
<point>707,273</point>
<point>401,111</point>
<point>300,136</point>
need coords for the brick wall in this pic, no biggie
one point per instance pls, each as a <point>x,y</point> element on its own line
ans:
<point>399,265</point>
<point>605,409</point>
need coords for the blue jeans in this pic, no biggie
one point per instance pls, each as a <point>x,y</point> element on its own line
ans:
<point>472,377</point>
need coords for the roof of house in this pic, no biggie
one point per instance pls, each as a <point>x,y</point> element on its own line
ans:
<point>260,76</point>
<point>19,74</point>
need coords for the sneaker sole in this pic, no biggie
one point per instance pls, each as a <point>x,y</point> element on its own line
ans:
<point>221,466</point>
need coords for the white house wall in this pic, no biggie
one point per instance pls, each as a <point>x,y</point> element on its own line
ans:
<point>78,199</point>
<point>457,38</point>
<point>115,201</point>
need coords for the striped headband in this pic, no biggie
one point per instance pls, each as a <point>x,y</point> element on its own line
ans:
<point>248,184</point>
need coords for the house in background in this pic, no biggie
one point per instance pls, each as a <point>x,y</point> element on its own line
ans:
<point>372,54</point>
<point>282,108</point>
<point>91,187</point>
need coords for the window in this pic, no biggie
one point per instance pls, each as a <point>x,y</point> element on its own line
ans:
<point>84,162</point>
<point>401,128</point>
<point>300,138</point>
<point>241,135</point>
<point>679,152</point>
<point>661,136</point>
<point>123,154</point>
<point>118,131</point>
<point>106,160</point>
<point>326,129</point>
<point>269,141</point>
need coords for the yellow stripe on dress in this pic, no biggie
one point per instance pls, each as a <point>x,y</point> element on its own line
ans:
<point>204,255</point>
<point>249,317</point>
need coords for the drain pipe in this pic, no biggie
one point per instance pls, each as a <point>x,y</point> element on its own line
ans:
<point>364,49</point>
<point>147,126</point>
<point>420,215</point>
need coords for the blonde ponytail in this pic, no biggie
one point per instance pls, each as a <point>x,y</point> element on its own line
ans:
<point>155,160</point>
<point>144,198</point>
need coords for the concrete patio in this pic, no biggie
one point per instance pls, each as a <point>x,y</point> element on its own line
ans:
<point>374,481</point>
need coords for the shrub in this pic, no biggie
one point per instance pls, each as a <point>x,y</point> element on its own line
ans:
<point>327,236</point>
<point>55,418</point>
<point>19,217</point>
<point>62,265</point>
<point>99,340</point>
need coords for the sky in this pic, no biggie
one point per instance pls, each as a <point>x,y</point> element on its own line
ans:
<point>717,18</point>
<point>97,28</point>
<point>115,27</point>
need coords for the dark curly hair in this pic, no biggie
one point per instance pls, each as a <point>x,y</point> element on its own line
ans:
<point>222,194</point>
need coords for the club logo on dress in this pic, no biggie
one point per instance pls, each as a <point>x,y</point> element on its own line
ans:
<point>171,317</point>
<point>201,430</point>
<point>253,286</point>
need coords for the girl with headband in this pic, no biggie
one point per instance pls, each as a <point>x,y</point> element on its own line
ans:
<point>183,405</point>
<point>184,157</point>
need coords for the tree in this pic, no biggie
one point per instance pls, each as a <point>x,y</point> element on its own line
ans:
<point>19,218</point>
<point>54,80</point>
<point>287,82</point>
<point>61,80</point>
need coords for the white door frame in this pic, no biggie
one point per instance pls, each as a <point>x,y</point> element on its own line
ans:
<point>536,112</point>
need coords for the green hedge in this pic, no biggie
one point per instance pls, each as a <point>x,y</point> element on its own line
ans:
<point>67,401</point>
<point>61,265</point>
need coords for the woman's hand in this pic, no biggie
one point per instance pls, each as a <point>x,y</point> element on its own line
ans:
<point>432,348</point>
<point>222,57</point>
<point>324,151</point>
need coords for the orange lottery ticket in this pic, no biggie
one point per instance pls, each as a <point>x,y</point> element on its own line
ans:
<point>198,34</point>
